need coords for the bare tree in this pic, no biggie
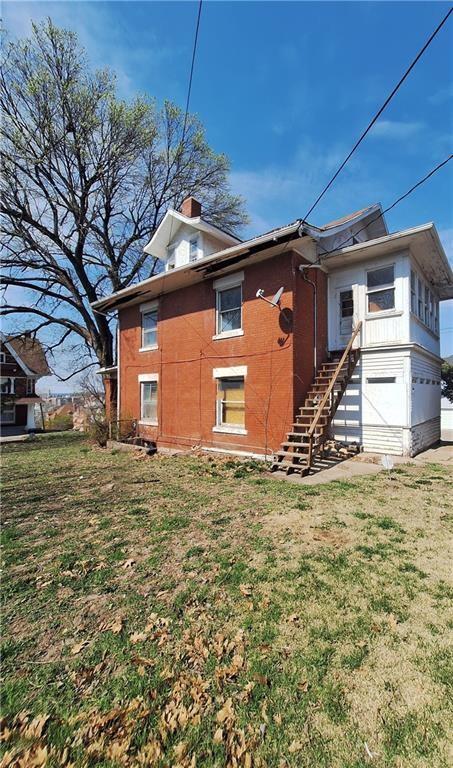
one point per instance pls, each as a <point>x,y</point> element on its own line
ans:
<point>86,179</point>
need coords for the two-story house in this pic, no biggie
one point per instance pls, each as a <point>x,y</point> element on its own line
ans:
<point>268,346</point>
<point>22,363</point>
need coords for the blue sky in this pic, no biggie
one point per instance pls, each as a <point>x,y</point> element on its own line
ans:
<point>284,89</point>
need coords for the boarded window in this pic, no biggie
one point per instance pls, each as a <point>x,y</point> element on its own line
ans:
<point>230,402</point>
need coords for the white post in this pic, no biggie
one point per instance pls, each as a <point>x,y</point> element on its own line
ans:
<point>31,417</point>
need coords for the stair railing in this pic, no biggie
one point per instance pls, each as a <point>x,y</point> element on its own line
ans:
<point>329,391</point>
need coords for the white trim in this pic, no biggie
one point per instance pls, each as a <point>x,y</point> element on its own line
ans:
<point>143,377</point>
<point>148,349</point>
<point>385,313</point>
<point>228,334</point>
<point>229,281</point>
<point>229,430</point>
<point>150,306</point>
<point>148,423</point>
<point>238,370</point>
<point>18,360</point>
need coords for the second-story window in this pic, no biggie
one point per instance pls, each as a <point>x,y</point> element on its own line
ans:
<point>149,326</point>
<point>30,386</point>
<point>381,289</point>
<point>6,385</point>
<point>229,309</point>
<point>193,248</point>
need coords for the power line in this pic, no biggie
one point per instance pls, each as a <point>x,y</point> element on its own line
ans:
<point>398,200</point>
<point>378,113</point>
<point>194,51</point>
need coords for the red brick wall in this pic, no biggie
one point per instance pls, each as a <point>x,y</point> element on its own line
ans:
<point>275,345</point>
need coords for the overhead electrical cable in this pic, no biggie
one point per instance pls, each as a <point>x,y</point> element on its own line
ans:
<point>189,89</point>
<point>379,113</point>
<point>389,208</point>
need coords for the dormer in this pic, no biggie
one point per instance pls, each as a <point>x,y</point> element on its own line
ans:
<point>184,236</point>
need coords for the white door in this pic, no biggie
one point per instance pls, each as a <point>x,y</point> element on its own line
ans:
<point>345,304</point>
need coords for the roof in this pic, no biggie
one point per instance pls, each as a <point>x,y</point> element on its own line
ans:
<point>30,352</point>
<point>169,226</point>
<point>351,216</point>
<point>425,247</point>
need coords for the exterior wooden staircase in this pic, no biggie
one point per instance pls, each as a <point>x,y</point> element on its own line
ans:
<point>311,428</point>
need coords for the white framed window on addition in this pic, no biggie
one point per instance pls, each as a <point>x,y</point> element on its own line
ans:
<point>230,400</point>
<point>229,306</point>
<point>381,289</point>
<point>194,248</point>
<point>149,326</point>
<point>149,385</point>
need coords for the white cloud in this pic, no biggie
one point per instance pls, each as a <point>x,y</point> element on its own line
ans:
<point>442,95</point>
<point>394,129</point>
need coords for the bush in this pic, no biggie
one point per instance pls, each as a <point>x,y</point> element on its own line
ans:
<point>99,431</point>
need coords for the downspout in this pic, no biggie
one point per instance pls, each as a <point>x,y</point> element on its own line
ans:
<point>302,269</point>
<point>118,376</point>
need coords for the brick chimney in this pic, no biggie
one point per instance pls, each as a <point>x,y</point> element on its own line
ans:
<point>191,208</point>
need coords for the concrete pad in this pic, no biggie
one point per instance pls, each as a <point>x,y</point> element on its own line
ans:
<point>368,464</point>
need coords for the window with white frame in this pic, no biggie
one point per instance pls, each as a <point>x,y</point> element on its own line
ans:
<point>230,402</point>
<point>149,326</point>
<point>2,357</point>
<point>7,412</point>
<point>30,386</point>
<point>413,291</point>
<point>420,299</point>
<point>426,305</point>
<point>193,248</point>
<point>381,289</point>
<point>148,399</point>
<point>229,305</point>
<point>6,385</point>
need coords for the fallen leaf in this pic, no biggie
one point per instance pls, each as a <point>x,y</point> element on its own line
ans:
<point>227,712</point>
<point>138,637</point>
<point>218,736</point>
<point>128,563</point>
<point>245,589</point>
<point>295,746</point>
<point>78,647</point>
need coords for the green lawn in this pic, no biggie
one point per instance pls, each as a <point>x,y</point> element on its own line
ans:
<point>192,611</point>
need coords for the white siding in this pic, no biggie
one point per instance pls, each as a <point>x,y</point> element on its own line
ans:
<point>389,327</point>
<point>374,410</point>
<point>425,389</point>
<point>206,244</point>
<point>424,435</point>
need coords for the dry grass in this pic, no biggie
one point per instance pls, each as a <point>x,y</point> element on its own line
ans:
<point>192,611</point>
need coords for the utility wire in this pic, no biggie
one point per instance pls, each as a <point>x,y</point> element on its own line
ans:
<point>398,200</point>
<point>194,51</point>
<point>378,113</point>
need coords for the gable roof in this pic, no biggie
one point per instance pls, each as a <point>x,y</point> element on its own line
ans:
<point>351,216</point>
<point>30,352</point>
<point>169,226</point>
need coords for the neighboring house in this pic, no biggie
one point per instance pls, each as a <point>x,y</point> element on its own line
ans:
<point>22,363</point>
<point>446,413</point>
<point>204,359</point>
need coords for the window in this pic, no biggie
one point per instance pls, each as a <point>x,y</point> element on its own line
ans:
<point>426,305</point>
<point>30,386</point>
<point>171,258</point>
<point>431,310</point>
<point>7,413</point>
<point>6,385</point>
<point>193,248</point>
<point>436,316</point>
<point>230,402</point>
<point>420,299</point>
<point>149,326</point>
<point>413,291</point>
<point>2,357</point>
<point>381,289</point>
<point>229,309</point>
<point>148,398</point>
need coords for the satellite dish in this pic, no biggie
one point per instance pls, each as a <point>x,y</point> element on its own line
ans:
<point>277,297</point>
<point>260,293</point>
